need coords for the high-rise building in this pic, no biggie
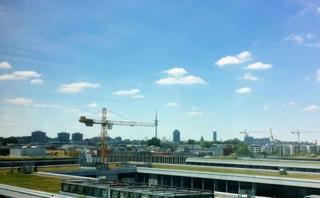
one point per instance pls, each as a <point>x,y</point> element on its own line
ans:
<point>214,136</point>
<point>63,137</point>
<point>77,137</point>
<point>38,137</point>
<point>176,136</point>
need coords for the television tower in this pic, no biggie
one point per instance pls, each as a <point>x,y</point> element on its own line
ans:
<point>156,126</point>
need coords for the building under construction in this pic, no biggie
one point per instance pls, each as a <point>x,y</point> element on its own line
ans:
<point>117,189</point>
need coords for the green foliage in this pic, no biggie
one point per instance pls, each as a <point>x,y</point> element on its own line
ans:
<point>206,144</point>
<point>242,149</point>
<point>234,141</point>
<point>191,141</point>
<point>153,142</point>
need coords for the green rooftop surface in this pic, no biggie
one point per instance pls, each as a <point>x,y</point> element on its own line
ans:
<point>46,184</point>
<point>271,161</point>
<point>237,171</point>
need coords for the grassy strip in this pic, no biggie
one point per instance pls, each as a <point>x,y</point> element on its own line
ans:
<point>30,181</point>
<point>47,184</point>
<point>59,168</point>
<point>8,158</point>
<point>238,171</point>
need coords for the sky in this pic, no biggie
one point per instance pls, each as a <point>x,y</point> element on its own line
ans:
<point>224,66</point>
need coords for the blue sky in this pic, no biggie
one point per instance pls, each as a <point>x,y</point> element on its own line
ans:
<point>215,65</point>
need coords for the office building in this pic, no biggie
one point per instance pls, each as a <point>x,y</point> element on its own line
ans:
<point>38,137</point>
<point>64,137</point>
<point>176,136</point>
<point>77,137</point>
<point>214,136</point>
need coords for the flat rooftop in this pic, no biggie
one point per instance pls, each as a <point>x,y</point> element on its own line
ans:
<point>137,188</point>
<point>258,162</point>
<point>227,170</point>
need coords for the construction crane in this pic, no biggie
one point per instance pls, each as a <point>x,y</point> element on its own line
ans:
<point>246,134</point>
<point>298,133</point>
<point>108,124</point>
<point>271,136</point>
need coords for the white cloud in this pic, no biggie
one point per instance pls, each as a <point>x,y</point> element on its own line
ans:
<point>311,108</point>
<point>138,96</point>
<point>130,92</point>
<point>194,113</point>
<point>187,80</point>
<point>249,76</point>
<point>172,104</point>
<point>236,59</point>
<point>318,9</point>
<point>259,66</point>
<point>20,101</point>
<point>93,105</point>
<point>176,72</point>
<point>5,65</point>
<point>77,87</point>
<point>46,106</point>
<point>291,103</point>
<point>303,39</point>
<point>179,76</point>
<point>20,75</point>
<point>318,75</point>
<point>244,90</point>
<point>296,38</point>
<point>36,81</point>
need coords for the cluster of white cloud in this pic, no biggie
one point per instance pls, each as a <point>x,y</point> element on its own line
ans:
<point>134,93</point>
<point>19,101</point>
<point>244,90</point>
<point>249,76</point>
<point>5,65</point>
<point>77,87</point>
<point>318,75</point>
<point>29,102</point>
<point>178,76</point>
<point>311,108</point>
<point>93,105</point>
<point>20,75</point>
<point>303,39</point>
<point>243,57</point>
<point>234,59</point>
<point>259,66</point>
<point>36,81</point>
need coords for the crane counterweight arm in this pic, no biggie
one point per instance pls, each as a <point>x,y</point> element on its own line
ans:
<point>130,123</point>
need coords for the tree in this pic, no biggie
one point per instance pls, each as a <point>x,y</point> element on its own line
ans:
<point>191,141</point>
<point>206,144</point>
<point>242,149</point>
<point>153,142</point>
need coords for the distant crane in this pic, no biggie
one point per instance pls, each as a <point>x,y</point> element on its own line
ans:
<point>298,133</point>
<point>108,124</point>
<point>246,134</point>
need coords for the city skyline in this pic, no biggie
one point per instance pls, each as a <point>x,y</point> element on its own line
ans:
<point>203,68</point>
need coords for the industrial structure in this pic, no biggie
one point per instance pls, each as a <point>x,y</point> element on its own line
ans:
<point>108,124</point>
<point>119,189</point>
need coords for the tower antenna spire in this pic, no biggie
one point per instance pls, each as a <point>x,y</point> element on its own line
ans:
<point>156,125</point>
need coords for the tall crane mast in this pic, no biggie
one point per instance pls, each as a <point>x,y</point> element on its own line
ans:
<point>298,134</point>
<point>108,124</point>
